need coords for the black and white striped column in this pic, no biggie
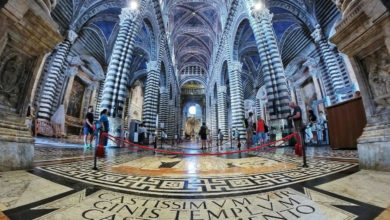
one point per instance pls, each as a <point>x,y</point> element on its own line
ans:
<point>214,120</point>
<point>115,90</point>
<point>163,111</point>
<point>330,59</point>
<point>222,111</point>
<point>237,97</point>
<point>272,66</point>
<point>151,96</point>
<point>54,75</point>
<point>171,118</point>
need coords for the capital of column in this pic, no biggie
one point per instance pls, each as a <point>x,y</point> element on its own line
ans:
<point>222,89</point>
<point>236,66</point>
<point>317,34</point>
<point>258,12</point>
<point>128,14</point>
<point>152,65</point>
<point>71,36</point>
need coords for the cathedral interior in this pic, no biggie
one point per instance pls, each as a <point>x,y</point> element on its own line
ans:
<point>194,109</point>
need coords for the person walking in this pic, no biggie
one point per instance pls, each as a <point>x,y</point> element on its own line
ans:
<point>296,117</point>
<point>260,130</point>
<point>105,125</point>
<point>203,135</point>
<point>88,127</point>
<point>220,136</point>
<point>249,129</point>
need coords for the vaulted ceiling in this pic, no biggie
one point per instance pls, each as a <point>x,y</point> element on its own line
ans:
<point>194,27</point>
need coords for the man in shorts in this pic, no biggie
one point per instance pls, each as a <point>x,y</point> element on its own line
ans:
<point>88,127</point>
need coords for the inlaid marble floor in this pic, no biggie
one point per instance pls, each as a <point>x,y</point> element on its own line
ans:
<point>131,184</point>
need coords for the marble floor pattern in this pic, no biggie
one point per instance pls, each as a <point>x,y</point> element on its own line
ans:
<point>134,184</point>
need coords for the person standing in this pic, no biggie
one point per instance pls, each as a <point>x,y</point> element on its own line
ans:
<point>88,127</point>
<point>220,136</point>
<point>313,127</point>
<point>296,116</point>
<point>105,125</point>
<point>203,135</point>
<point>321,125</point>
<point>142,133</point>
<point>249,129</point>
<point>260,130</point>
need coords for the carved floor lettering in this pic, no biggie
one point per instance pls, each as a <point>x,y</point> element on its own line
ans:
<point>281,204</point>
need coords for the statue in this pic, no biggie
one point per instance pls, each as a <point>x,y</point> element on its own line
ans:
<point>379,78</point>
<point>9,85</point>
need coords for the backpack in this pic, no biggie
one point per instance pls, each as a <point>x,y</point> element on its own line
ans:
<point>246,123</point>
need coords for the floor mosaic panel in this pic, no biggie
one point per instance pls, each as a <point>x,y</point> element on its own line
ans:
<point>195,185</point>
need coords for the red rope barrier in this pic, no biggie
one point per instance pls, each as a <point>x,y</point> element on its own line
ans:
<point>285,139</point>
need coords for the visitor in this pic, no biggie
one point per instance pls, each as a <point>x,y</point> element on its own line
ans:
<point>249,129</point>
<point>312,128</point>
<point>203,135</point>
<point>357,94</point>
<point>296,117</point>
<point>105,125</point>
<point>141,133</point>
<point>260,130</point>
<point>321,126</point>
<point>220,136</point>
<point>236,134</point>
<point>89,128</point>
<point>164,136</point>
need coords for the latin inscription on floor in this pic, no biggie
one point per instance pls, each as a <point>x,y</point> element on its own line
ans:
<point>108,205</point>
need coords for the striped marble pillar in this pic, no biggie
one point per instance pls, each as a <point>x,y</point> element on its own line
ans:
<point>171,119</point>
<point>55,73</point>
<point>115,89</point>
<point>237,97</point>
<point>151,96</point>
<point>222,111</point>
<point>214,115</point>
<point>272,66</point>
<point>330,59</point>
<point>115,85</point>
<point>163,115</point>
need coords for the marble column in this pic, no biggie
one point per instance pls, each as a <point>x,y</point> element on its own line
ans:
<point>330,60</point>
<point>54,75</point>
<point>222,111</point>
<point>237,97</point>
<point>272,66</point>
<point>163,115</point>
<point>214,118</point>
<point>115,86</point>
<point>151,96</point>
<point>171,118</point>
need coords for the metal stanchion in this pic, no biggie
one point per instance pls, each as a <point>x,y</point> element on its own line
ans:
<point>98,142</point>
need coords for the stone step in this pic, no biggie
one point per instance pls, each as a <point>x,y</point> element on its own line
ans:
<point>13,126</point>
<point>14,133</point>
